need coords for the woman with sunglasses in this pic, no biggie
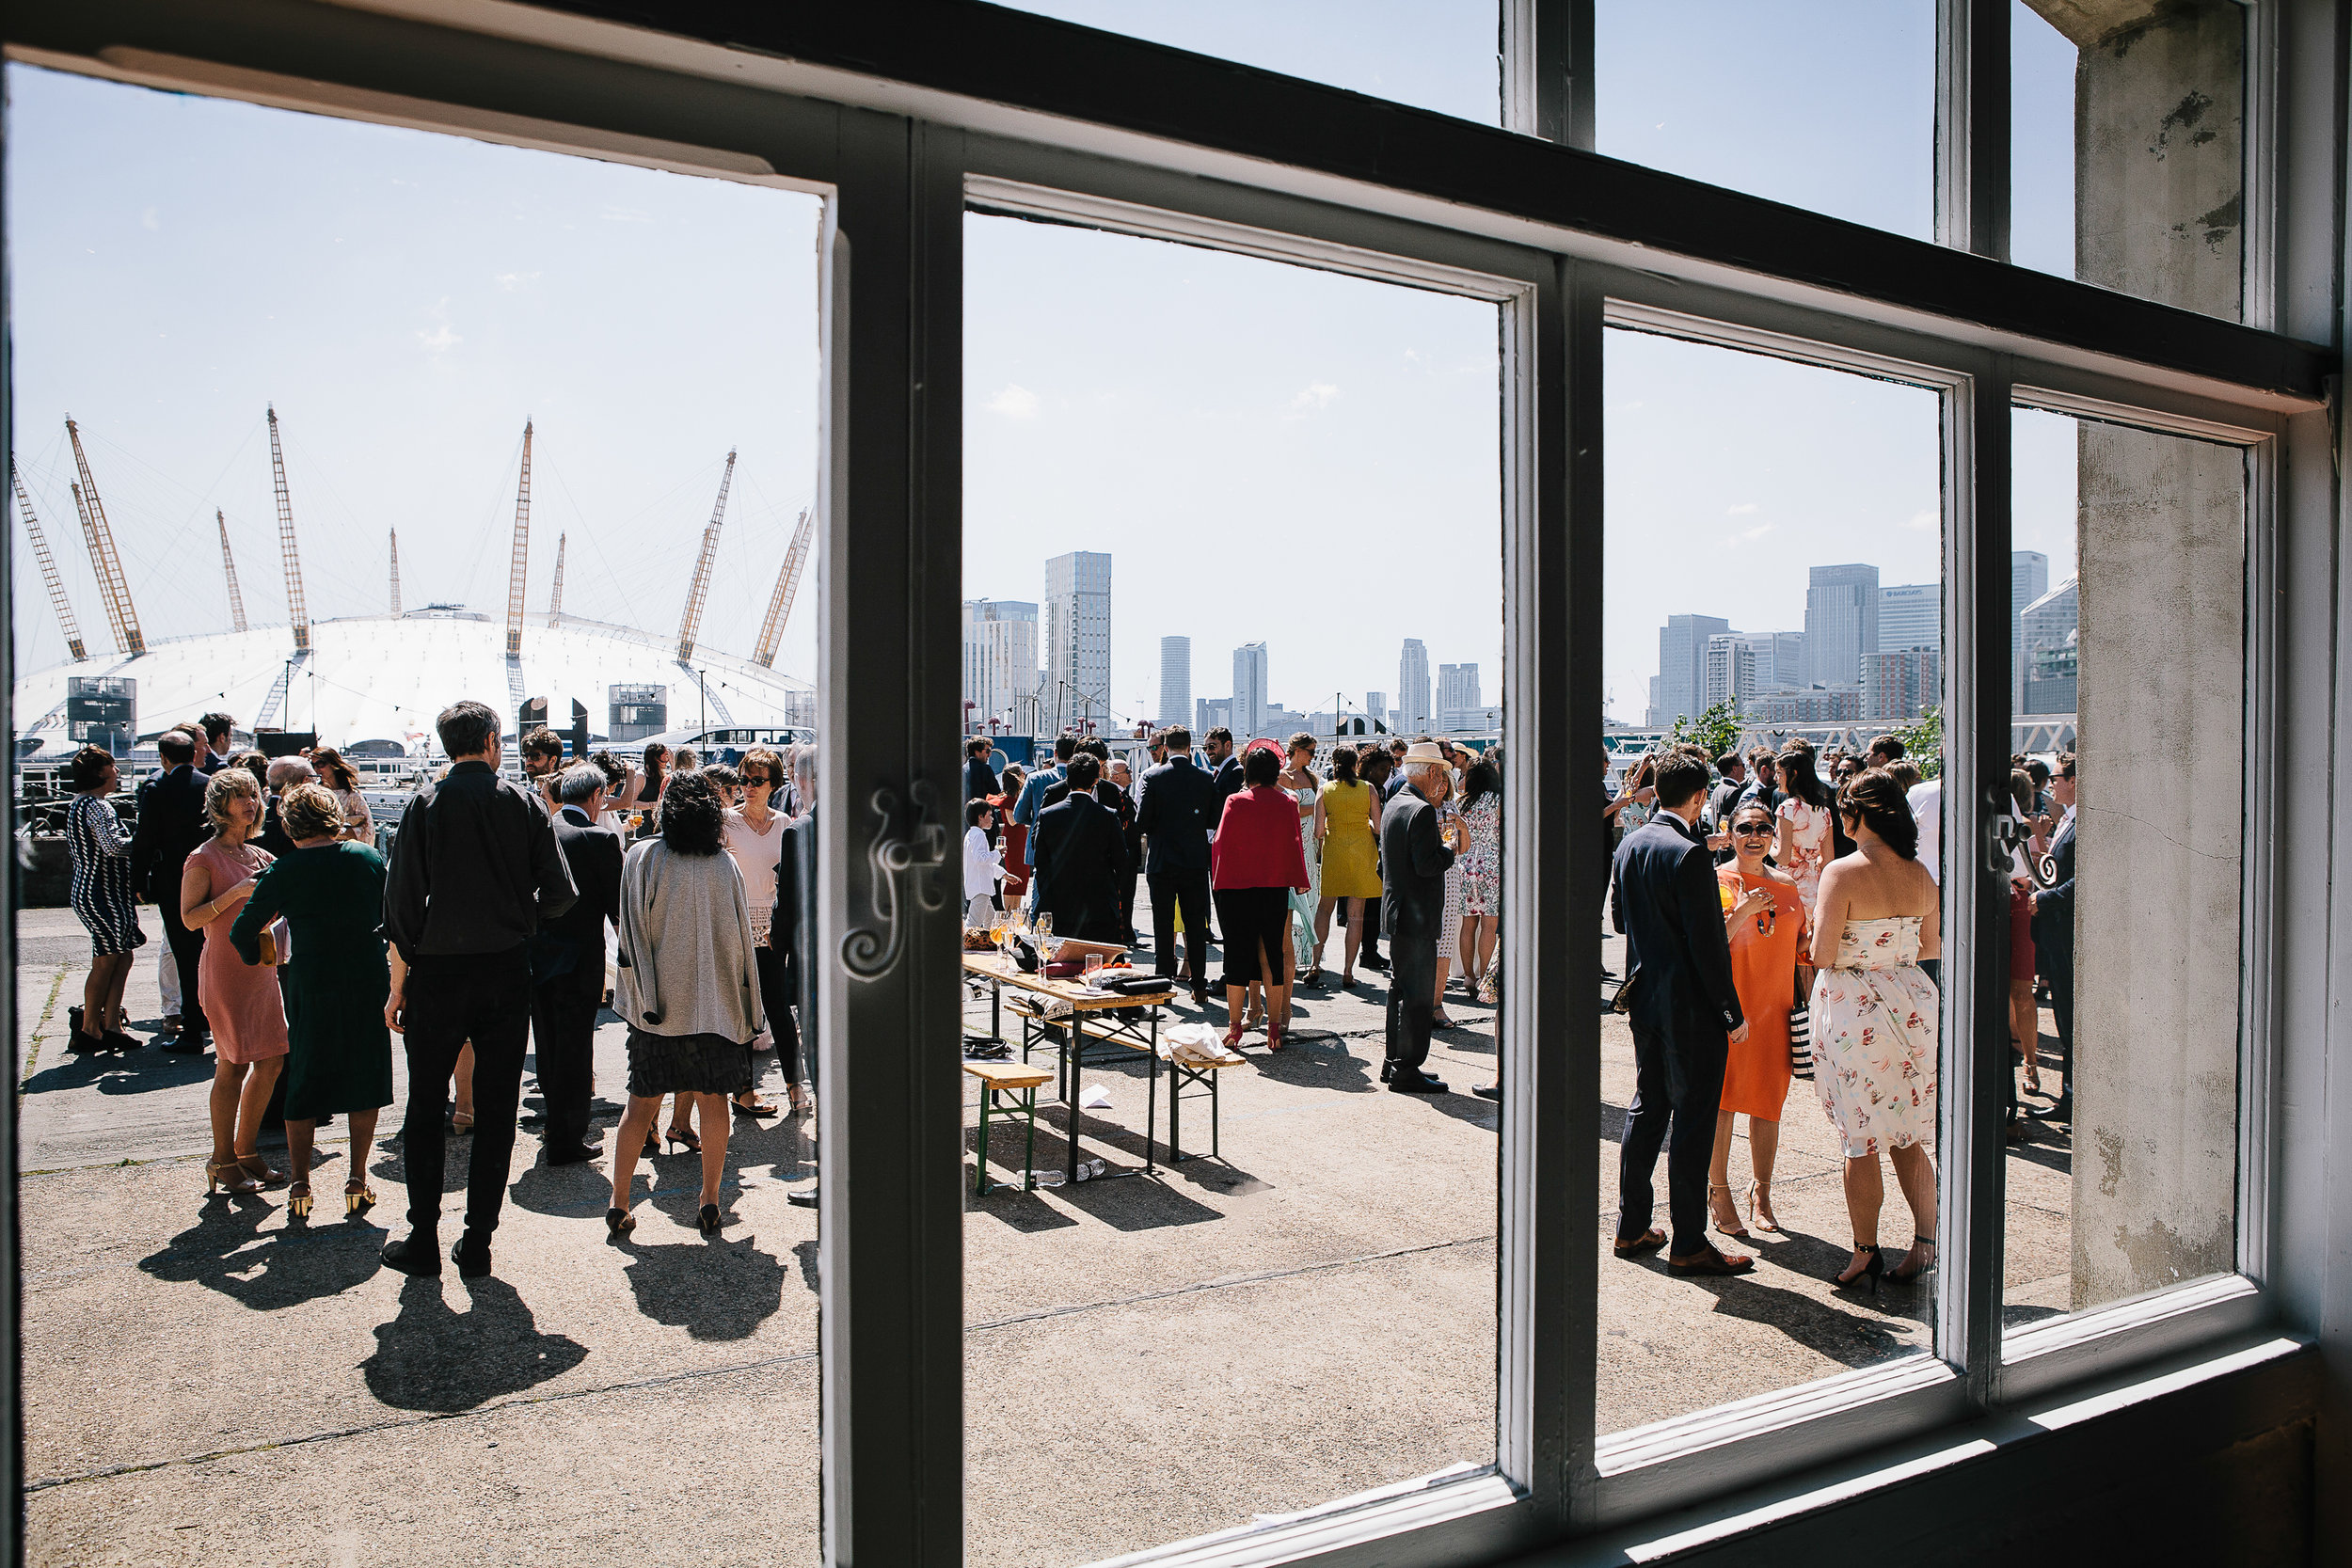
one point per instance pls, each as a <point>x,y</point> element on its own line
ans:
<point>755,836</point>
<point>1764,916</point>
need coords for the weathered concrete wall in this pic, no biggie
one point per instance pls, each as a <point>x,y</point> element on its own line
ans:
<point>2159,838</point>
<point>2159,147</point>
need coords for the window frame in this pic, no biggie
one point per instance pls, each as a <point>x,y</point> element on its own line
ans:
<point>893,149</point>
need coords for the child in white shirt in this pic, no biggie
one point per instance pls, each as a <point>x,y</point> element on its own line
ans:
<point>984,865</point>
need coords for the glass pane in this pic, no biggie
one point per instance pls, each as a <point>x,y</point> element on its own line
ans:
<point>2127,148</point>
<point>409,301</point>
<point>1191,479</point>
<point>1829,104</point>
<point>2125,960</point>
<point>1774,595</point>
<point>1439,55</point>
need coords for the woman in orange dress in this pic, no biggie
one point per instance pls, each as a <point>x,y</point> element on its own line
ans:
<point>1764,915</point>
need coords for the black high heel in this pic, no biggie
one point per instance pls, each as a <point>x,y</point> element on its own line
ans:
<point>1872,1271</point>
<point>686,1137</point>
<point>709,1219</point>
<point>1902,1277</point>
<point>619,1222</point>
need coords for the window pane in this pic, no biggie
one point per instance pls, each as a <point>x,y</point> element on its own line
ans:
<point>1226,493</point>
<point>1829,104</point>
<point>2128,147</point>
<point>1774,580</point>
<point>408,301</point>
<point>1439,55</point>
<point>2132,667</point>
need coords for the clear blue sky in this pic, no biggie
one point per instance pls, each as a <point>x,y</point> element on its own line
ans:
<point>1266,452</point>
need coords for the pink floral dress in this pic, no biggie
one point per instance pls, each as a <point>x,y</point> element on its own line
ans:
<point>1874,1028</point>
<point>1808,846</point>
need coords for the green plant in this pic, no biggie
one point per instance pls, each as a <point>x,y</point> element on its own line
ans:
<point>1923,742</point>
<point>1714,731</point>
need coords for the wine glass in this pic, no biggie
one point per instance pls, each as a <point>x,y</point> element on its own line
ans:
<point>1043,927</point>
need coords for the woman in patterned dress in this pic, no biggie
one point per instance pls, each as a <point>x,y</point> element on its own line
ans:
<point>1299,782</point>
<point>1482,872</point>
<point>1803,848</point>
<point>1874,1018</point>
<point>101,852</point>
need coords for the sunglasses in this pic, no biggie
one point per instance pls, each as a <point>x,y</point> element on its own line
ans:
<point>1754,829</point>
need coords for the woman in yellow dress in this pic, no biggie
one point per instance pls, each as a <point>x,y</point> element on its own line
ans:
<point>1351,863</point>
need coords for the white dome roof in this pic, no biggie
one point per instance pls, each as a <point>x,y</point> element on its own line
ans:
<point>384,678</point>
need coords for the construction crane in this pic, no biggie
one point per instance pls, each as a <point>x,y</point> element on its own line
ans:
<point>694,617</point>
<point>228,570</point>
<point>66,622</point>
<point>113,587</point>
<point>522,552</point>
<point>395,574</point>
<point>780,602</point>
<point>295,610</point>
<point>555,599</point>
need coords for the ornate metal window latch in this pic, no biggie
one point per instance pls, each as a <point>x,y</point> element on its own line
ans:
<point>899,865</point>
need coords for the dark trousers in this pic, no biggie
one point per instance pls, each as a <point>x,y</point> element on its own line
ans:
<point>1123,887</point>
<point>2060,976</point>
<point>1412,998</point>
<point>1369,952</point>
<point>1191,889</point>
<point>563,1041</point>
<point>776,999</point>
<point>187,957</point>
<point>486,1000</point>
<point>1683,1095</point>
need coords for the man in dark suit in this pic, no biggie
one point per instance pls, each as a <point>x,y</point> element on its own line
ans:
<point>1118,791</point>
<point>218,742</point>
<point>172,825</point>
<point>1080,853</point>
<point>568,970</point>
<point>2054,938</point>
<point>1174,818</point>
<point>1224,768</point>
<point>979,779</point>
<point>1414,858</point>
<point>794,935</point>
<point>1685,1016</point>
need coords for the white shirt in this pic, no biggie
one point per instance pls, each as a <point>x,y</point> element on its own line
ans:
<point>1926,807</point>
<point>984,865</point>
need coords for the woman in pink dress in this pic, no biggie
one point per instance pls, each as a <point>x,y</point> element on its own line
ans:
<point>1803,846</point>
<point>248,1013</point>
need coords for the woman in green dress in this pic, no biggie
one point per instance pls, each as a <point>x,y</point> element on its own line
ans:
<point>331,892</point>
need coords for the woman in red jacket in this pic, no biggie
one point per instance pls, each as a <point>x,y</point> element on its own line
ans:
<point>1255,864</point>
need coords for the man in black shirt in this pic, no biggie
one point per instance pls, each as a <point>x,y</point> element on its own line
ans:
<point>979,776</point>
<point>474,870</point>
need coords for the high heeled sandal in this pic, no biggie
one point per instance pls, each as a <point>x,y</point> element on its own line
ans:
<point>357,1195</point>
<point>230,1175</point>
<point>2033,1068</point>
<point>258,1168</point>
<point>1903,1275</point>
<point>461,1122</point>
<point>298,1201</point>
<point>1274,1036</point>
<point>686,1136</point>
<point>706,1220</point>
<point>1759,1208</point>
<point>1736,1230</point>
<point>1232,1037</point>
<point>619,1222</point>
<point>1871,1271</point>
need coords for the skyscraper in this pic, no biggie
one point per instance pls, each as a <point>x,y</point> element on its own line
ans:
<point>2028,580</point>
<point>2047,631</point>
<point>1682,666</point>
<point>1910,616</point>
<point>1412,688</point>
<point>1841,623</point>
<point>1729,663</point>
<point>1458,702</point>
<point>1248,690</point>
<point>1788,661</point>
<point>1175,680</point>
<point>1897,684</point>
<point>1000,662</point>
<point>1376,707</point>
<point>1077,640</point>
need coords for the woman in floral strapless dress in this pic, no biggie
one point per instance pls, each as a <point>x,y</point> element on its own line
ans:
<point>1874,1017</point>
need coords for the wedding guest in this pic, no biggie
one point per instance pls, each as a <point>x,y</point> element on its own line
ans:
<point>1482,871</point>
<point>1874,1019</point>
<point>1348,815</point>
<point>1080,852</point>
<point>984,865</point>
<point>1686,1016</point>
<point>1415,855</point>
<point>979,779</point>
<point>99,849</point>
<point>755,836</point>
<point>1764,923</point>
<point>359,822</point>
<point>1803,846</point>
<point>329,892</point>
<point>2054,937</point>
<point>1175,815</point>
<point>1013,839</point>
<point>689,987</point>
<point>1256,864</point>
<point>171,824</point>
<point>246,1012</point>
<point>1298,779</point>
<point>567,971</point>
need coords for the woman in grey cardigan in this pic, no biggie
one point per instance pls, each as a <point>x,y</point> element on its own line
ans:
<point>688,986</point>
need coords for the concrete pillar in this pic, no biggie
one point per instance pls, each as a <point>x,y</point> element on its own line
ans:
<point>2159,182</point>
<point>2158,827</point>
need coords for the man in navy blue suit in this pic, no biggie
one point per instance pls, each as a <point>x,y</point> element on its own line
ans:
<point>1686,1016</point>
<point>2054,938</point>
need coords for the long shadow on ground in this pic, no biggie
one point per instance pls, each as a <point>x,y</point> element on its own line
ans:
<point>433,1357</point>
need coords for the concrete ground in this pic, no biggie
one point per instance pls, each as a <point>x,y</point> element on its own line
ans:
<point>1309,1315</point>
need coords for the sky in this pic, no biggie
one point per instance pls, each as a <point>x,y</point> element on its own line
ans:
<point>407,301</point>
<point>1267,453</point>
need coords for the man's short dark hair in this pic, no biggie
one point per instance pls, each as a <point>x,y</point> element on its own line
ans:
<point>978,746</point>
<point>467,728</point>
<point>1096,747</point>
<point>2066,765</point>
<point>175,747</point>
<point>1177,738</point>
<point>975,809</point>
<point>1682,773</point>
<point>543,742</point>
<point>576,783</point>
<point>2038,770</point>
<point>1065,746</point>
<point>1219,732</point>
<point>1890,747</point>
<point>216,724</point>
<point>1086,770</point>
<point>1729,761</point>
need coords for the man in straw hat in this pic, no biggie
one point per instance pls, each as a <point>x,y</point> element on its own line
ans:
<point>1415,854</point>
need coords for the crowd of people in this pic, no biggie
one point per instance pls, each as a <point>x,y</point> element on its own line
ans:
<point>296,951</point>
<point>1268,842</point>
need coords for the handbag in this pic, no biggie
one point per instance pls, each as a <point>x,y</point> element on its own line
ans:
<point>1800,1035</point>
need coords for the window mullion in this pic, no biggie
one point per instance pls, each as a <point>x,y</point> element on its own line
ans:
<point>1972,126</point>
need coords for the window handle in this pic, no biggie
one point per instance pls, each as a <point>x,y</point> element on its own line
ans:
<point>901,866</point>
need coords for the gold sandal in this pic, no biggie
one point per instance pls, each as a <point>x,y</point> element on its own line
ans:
<point>298,1201</point>
<point>1736,1230</point>
<point>258,1168</point>
<point>357,1195</point>
<point>229,1174</point>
